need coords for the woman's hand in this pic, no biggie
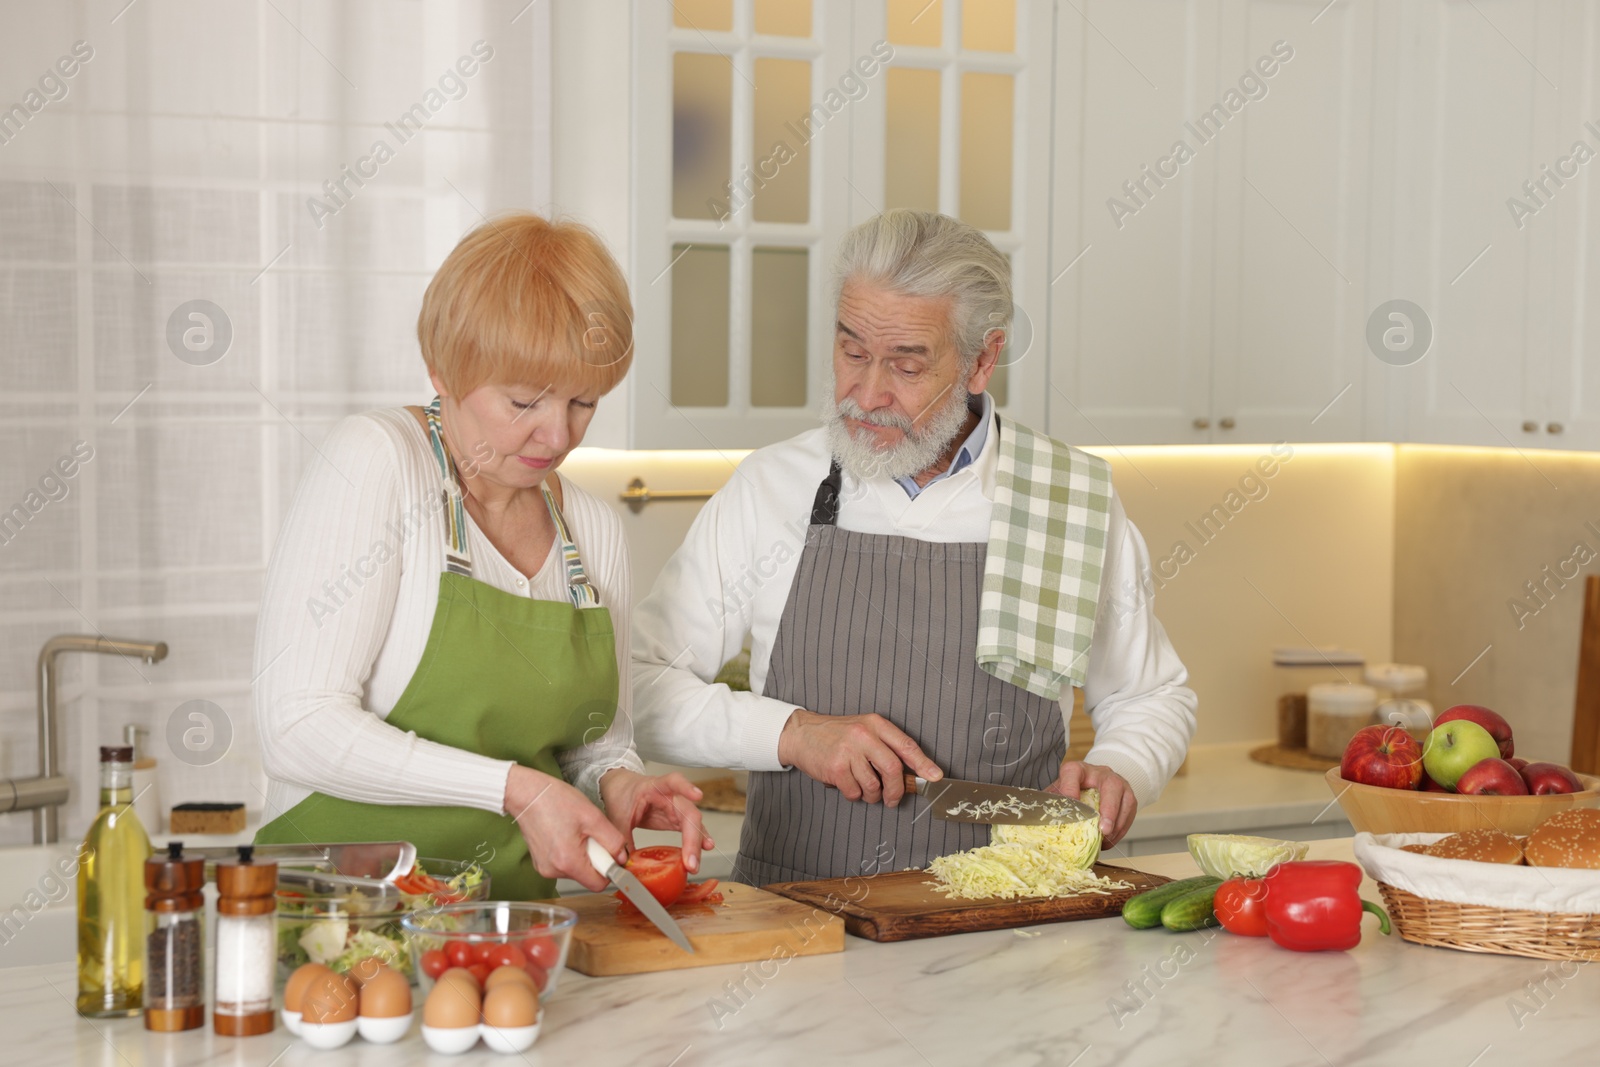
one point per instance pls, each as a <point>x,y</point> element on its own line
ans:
<point>555,819</point>
<point>662,803</point>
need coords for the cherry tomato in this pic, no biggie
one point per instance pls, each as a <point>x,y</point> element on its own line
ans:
<point>660,868</point>
<point>1241,906</point>
<point>459,954</point>
<point>542,952</point>
<point>506,956</point>
<point>482,951</point>
<point>480,971</point>
<point>434,962</point>
<point>540,976</point>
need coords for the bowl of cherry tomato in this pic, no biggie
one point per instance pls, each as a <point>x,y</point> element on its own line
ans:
<point>488,934</point>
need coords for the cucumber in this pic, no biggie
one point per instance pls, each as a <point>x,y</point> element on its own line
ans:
<point>1143,912</point>
<point>1192,911</point>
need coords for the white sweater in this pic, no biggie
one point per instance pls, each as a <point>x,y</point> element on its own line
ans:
<point>731,579</point>
<point>340,633</point>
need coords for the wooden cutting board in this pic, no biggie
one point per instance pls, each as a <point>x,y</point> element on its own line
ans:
<point>751,924</point>
<point>903,905</point>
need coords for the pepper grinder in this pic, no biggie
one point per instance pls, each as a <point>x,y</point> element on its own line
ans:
<point>174,960</point>
<point>247,925</point>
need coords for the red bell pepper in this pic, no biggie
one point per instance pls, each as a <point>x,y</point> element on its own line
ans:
<point>1240,906</point>
<point>1315,905</point>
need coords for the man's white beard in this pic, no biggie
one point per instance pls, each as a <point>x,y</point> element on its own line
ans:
<point>918,450</point>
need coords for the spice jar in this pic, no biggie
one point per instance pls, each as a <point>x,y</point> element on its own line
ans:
<point>247,928</point>
<point>174,957</point>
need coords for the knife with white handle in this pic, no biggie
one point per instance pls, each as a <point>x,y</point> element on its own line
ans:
<point>634,890</point>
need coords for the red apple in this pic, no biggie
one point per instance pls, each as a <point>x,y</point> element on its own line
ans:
<point>1382,755</point>
<point>1518,762</point>
<point>1428,785</point>
<point>1544,779</point>
<point>1498,728</point>
<point>1492,778</point>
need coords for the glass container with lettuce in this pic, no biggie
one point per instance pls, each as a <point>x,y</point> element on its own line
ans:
<point>338,925</point>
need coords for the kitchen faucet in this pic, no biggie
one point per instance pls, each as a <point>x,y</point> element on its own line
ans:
<point>46,793</point>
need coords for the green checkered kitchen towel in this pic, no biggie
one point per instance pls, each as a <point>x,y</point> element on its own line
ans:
<point>1047,547</point>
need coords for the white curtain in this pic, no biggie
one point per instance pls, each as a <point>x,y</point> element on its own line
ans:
<point>162,153</point>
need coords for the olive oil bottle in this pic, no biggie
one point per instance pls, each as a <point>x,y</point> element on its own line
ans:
<point>111,915</point>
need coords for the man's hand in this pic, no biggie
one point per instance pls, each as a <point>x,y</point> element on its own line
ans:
<point>1118,805</point>
<point>666,802</point>
<point>861,755</point>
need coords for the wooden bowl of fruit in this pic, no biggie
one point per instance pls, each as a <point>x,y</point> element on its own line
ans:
<point>1461,776</point>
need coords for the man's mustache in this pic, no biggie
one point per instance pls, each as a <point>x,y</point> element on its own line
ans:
<point>887,419</point>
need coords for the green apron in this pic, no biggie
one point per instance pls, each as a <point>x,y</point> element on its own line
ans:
<point>502,675</point>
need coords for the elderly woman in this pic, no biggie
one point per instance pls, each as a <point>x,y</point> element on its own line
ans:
<point>445,621</point>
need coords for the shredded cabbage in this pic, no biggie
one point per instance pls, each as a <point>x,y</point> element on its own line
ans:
<point>1028,861</point>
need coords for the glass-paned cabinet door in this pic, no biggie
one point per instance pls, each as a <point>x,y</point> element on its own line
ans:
<point>962,126</point>
<point>741,150</point>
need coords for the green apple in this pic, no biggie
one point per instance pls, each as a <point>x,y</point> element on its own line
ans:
<point>1454,747</point>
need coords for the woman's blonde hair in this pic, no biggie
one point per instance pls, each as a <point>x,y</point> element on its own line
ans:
<point>526,301</point>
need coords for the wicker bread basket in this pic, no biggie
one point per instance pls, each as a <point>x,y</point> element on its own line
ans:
<point>1547,913</point>
<point>1480,928</point>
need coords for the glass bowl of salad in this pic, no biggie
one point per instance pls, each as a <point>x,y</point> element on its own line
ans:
<point>484,936</point>
<point>339,925</point>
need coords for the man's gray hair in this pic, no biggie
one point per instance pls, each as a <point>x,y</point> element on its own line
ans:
<point>921,253</point>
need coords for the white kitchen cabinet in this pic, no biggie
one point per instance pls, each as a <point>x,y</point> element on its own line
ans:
<point>1223,209</point>
<point>1221,293</point>
<point>1480,105</point>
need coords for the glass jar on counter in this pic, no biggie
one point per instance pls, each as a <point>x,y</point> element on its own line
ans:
<point>174,956</point>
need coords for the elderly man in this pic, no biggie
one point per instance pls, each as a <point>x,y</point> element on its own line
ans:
<point>921,582</point>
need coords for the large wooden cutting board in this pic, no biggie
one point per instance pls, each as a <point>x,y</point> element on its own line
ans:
<point>751,924</point>
<point>903,905</point>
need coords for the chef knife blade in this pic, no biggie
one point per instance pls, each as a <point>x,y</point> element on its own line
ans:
<point>955,800</point>
<point>635,891</point>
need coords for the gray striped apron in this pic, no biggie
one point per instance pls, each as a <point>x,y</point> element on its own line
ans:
<point>887,624</point>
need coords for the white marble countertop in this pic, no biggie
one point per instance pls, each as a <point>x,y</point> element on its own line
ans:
<point>1059,994</point>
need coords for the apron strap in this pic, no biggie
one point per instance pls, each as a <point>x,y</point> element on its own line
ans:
<point>578,588</point>
<point>825,508</point>
<point>457,551</point>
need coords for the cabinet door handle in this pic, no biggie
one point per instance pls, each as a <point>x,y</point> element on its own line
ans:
<point>1529,426</point>
<point>1554,427</point>
<point>1227,422</point>
<point>1202,423</point>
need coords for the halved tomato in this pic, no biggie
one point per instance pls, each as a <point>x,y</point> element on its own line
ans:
<point>660,869</point>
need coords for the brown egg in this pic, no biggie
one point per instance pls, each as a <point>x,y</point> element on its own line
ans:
<point>363,971</point>
<point>511,1005</point>
<point>329,998</point>
<point>452,1004</point>
<point>294,990</point>
<point>385,994</point>
<point>463,976</point>
<point>501,975</point>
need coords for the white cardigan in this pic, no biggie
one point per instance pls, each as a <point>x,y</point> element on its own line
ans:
<point>731,578</point>
<point>343,626</point>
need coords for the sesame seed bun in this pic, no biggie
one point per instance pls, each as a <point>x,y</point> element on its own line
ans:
<point>1569,838</point>
<point>1480,846</point>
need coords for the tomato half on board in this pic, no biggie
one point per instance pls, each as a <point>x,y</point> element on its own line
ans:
<point>660,869</point>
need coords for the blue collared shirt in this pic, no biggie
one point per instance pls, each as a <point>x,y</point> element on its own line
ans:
<point>966,453</point>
